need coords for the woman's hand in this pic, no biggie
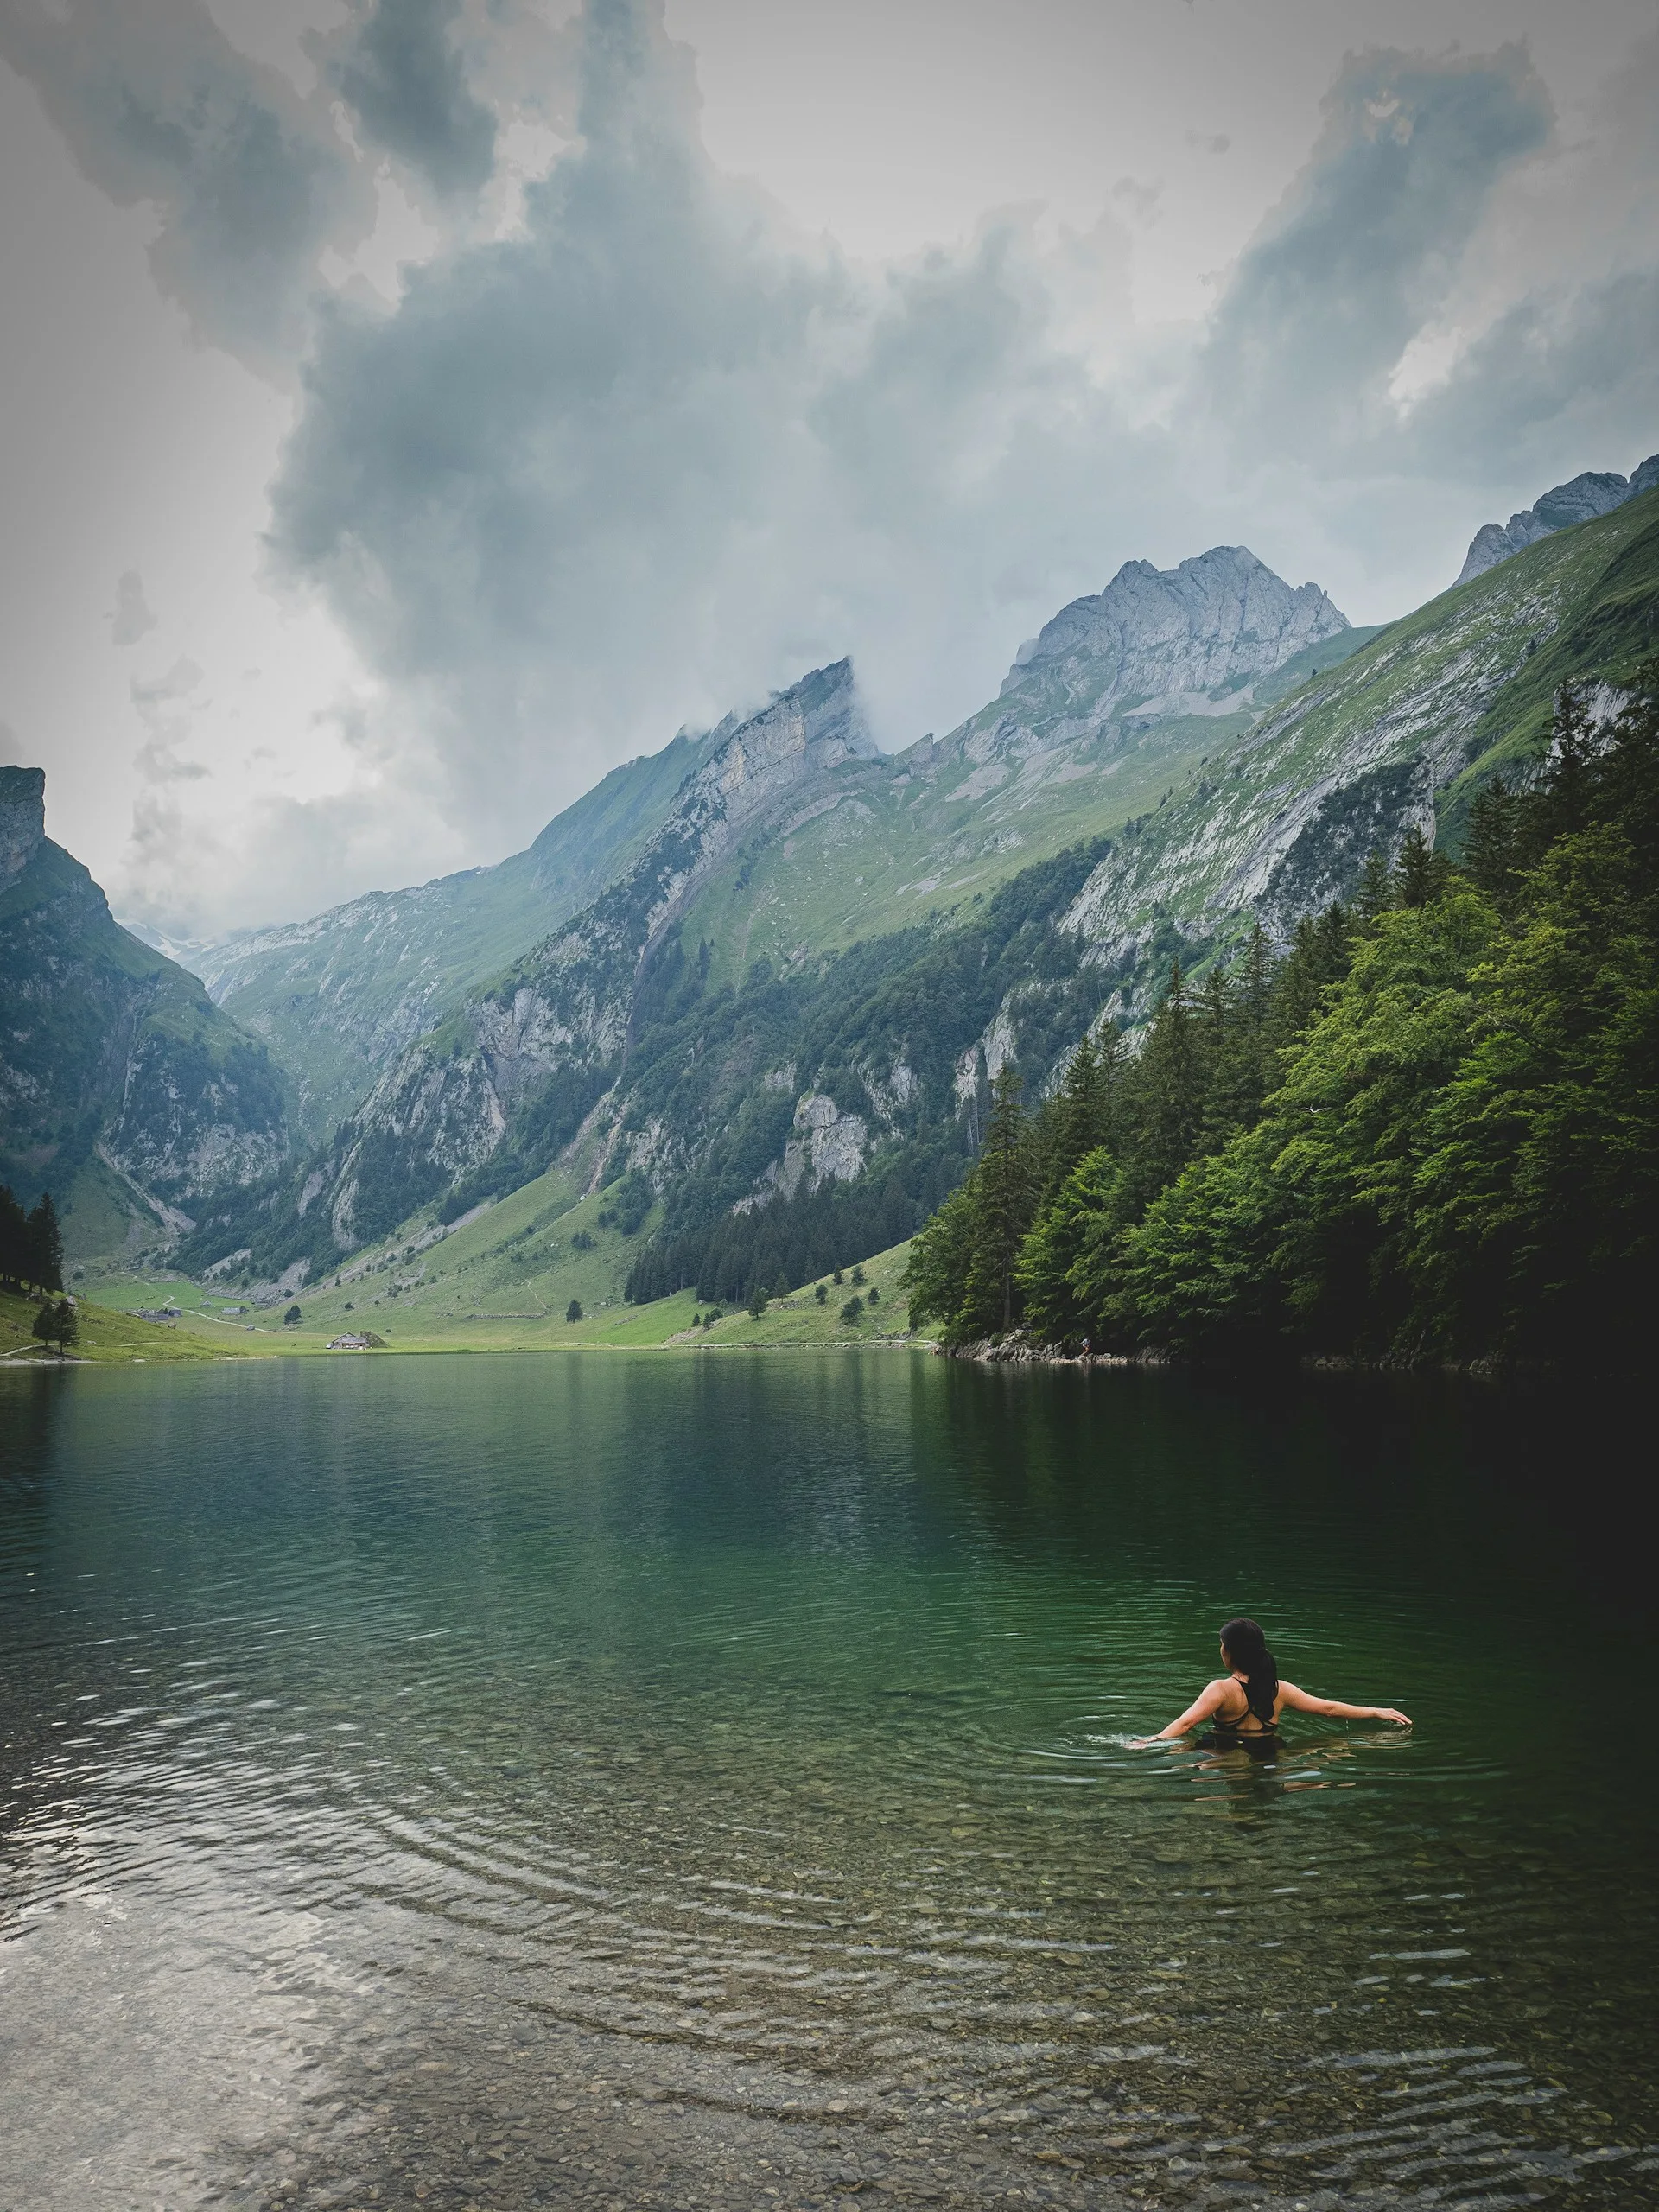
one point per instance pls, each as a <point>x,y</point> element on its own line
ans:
<point>1388,1712</point>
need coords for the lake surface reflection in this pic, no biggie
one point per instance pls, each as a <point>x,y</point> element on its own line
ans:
<point>626,1780</point>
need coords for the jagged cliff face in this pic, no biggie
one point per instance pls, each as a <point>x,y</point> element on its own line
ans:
<point>790,837</point>
<point>348,991</point>
<point>1158,643</point>
<point>552,1034</point>
<point>1283,825</point>
<point>1102,714</point>
<point>113,1061</point>
<point>1582,499</point>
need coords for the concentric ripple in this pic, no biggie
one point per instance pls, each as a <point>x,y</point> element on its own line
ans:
<point>620,1780</point>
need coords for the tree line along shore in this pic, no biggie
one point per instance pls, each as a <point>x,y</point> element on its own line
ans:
<point>1427,1133</point>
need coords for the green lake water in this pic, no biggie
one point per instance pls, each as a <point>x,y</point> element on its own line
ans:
<point>620,1780</point>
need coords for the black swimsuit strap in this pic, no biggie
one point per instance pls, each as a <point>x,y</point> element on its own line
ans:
<point>1248,1713</point>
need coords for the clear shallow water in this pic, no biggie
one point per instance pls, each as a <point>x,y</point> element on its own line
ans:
<point>614,1780</point>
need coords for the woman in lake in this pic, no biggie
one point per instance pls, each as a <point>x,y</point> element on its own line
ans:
<point>1248,1699</point>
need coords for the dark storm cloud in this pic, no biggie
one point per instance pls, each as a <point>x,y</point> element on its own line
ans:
<point>250,182</point>
<point>403,75</point>
<point>655,452</point>
<point>1368,242</point>
<point>1565,372</point>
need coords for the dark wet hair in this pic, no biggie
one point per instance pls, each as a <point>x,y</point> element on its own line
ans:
<point>1247,1649</point>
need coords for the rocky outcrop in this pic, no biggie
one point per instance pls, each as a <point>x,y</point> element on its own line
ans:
<point>339,997</point>
<point>1351,762</point>
<point>1159,642</point>
<point>522,1063</point>
<point>23,819</point>
<point>1595,492</point>
<point>825,1146</point>
<point>109,1052</point>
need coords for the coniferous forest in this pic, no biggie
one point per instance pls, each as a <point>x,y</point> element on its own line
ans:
<point>1429,1130</point>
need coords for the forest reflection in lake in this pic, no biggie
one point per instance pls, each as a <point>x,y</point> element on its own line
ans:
<point>611,1778</point>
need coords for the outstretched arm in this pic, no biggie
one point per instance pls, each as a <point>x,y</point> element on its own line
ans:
<point>1336,1710</point>
<point>1200,1709</point>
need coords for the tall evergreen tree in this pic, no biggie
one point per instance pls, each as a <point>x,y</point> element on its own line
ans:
<point>43,1247</point>
<point>1172,1090</point>
<point>1002,1207</point>
<point>1375,894</point>
<point>1079,1114</point>
<point>14,1237</point>
<point>941,1256</point>
<point>1566,790</point>
<point>1491,852</point>
<point>1240,1073</point>
<point>1420,873</point>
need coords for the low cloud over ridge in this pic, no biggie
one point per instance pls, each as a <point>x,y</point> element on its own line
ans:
<point>628,448</point>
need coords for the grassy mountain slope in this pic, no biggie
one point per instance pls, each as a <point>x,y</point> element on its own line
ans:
<point>919,836</point>
<point>123,1088</point>
<point>502,1282</point>
<point>1399,734</point>
<point>108,1337</point>
<point>342,995</point>
<point>787,1112</point>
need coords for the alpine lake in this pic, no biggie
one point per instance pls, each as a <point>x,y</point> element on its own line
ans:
<point>622,1780</point>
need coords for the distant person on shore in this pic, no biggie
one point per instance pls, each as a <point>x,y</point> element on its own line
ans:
<point>1247,1700</point>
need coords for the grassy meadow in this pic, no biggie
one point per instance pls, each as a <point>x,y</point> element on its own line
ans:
<point>503,1281</point>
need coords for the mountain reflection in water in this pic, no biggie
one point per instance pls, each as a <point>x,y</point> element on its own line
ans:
<point>611,1779</point>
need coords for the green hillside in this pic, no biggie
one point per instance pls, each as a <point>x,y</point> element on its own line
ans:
<point>501,1282</point>
<point>919,836</point>
<point>1404,731</point>
<point>107,1336</point>
<point>337,997</point>
<point>126,1091</point>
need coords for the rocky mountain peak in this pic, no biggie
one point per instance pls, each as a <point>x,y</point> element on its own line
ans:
<point>1597,491</point>
<point>23,819</point>
<point>812,728</point>
<point>1174,640</point>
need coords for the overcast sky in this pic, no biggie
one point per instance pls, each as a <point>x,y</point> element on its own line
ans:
<point>413,407</point>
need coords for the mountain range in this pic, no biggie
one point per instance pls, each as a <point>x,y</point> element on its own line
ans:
<point>758,982</point>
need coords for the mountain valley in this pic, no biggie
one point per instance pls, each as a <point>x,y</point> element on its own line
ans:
<point>750,994</point>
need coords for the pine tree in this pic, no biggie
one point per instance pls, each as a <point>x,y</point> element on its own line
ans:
<point>1254,981</point>
<point>1375,894</point>
<point>1491,849</point>
<point>14,1237</point>
<point>941,1259</point>
<point>1172,1092</point>
<point>1002,1207</point>
<point>1111,1083</point>
<point>1078,1117</point>
<point>43,1247</point>
<point>1420,873</point>
<point>1318,957</point>
<point>1566,790</point>
<point>1236,1019</point>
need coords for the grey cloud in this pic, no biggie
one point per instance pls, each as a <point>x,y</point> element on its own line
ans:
<point>1142,198</point>
<point>132,618</point>
<point>1564,376</point>
<point>250,181</point>
<point>403,74</point>
<point>1366,244</point>
<point>655,454</point>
